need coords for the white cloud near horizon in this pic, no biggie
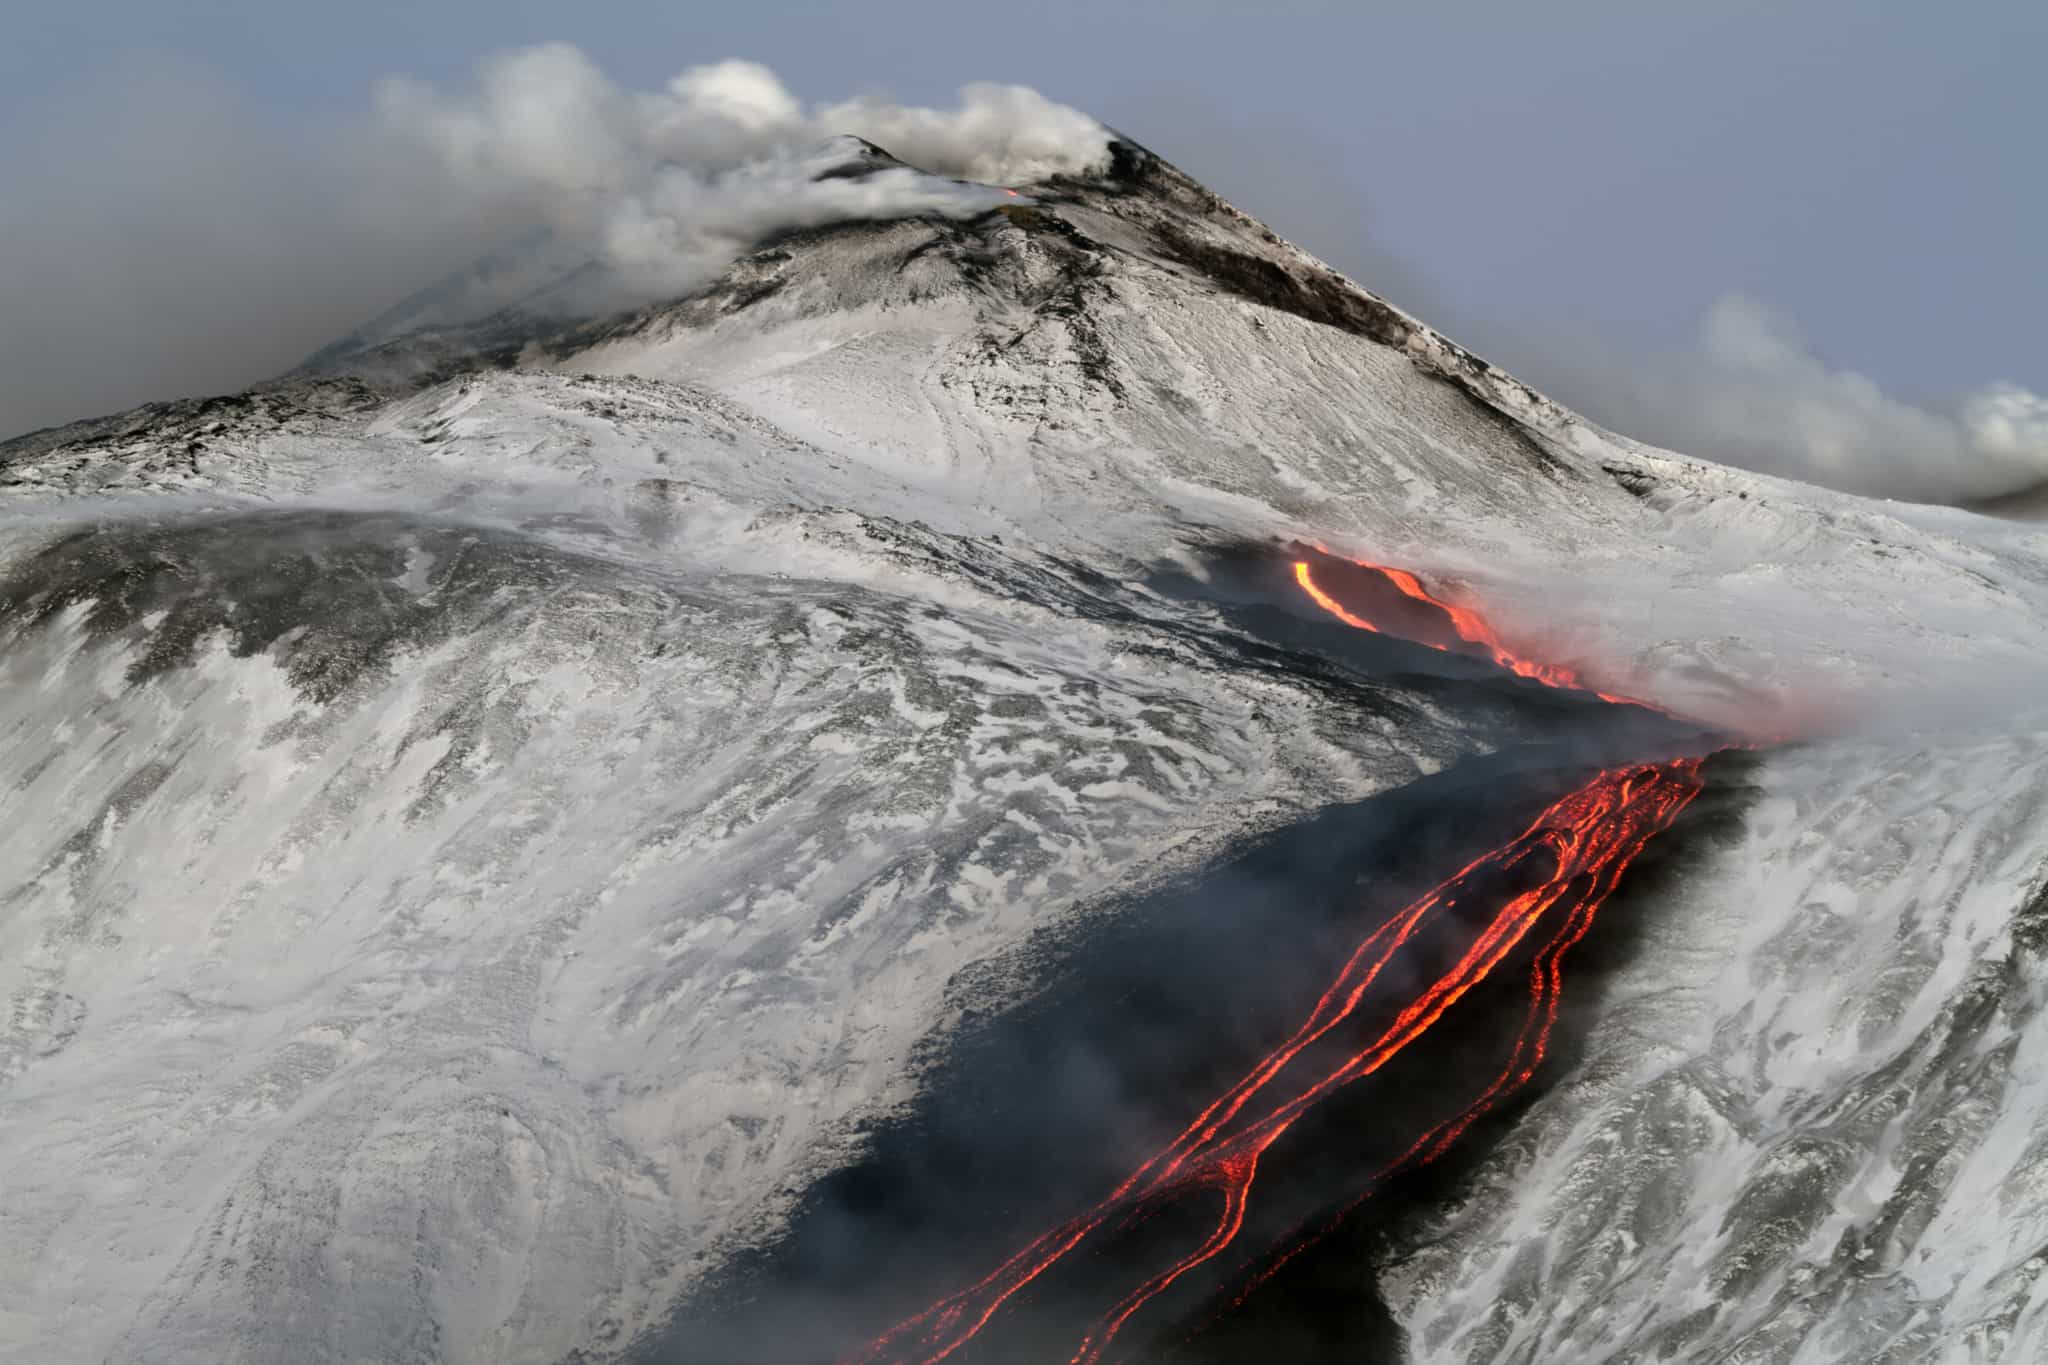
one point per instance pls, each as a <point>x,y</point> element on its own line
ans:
<point>1753,392</point>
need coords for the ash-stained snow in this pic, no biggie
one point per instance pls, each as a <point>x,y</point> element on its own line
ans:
<point>489,815</point>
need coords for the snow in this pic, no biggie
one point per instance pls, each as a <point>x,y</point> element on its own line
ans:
<point>1809,1103</point>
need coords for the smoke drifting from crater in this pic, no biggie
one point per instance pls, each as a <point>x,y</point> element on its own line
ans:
<point>662,188</point>
<point>167,240</point>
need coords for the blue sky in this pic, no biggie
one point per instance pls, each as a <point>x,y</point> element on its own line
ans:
<point>1553,184</point>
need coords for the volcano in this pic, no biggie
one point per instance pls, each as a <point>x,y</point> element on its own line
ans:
<point>1059,782</point>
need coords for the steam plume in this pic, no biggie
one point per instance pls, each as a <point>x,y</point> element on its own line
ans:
<point>663,187</point>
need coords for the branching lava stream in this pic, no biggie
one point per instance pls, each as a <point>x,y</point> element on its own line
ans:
<point>1548,882</point>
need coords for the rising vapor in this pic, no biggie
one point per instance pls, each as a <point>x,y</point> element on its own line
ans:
<point>663,188</point>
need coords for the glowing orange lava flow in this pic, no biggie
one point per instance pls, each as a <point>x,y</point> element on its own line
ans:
<point>1576,850</point>
<point>1469,625</point>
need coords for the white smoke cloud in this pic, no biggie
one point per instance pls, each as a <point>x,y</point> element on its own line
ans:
<point>1755,394</point>
<point>1005,134</point>
<point>662,187</point>
<point>163,239</point>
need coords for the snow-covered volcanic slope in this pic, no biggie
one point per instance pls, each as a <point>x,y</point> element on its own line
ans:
<point>490,812</point>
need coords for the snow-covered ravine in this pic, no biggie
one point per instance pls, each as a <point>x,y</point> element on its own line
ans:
<point>1809,1125</point>
<point>489,817</point>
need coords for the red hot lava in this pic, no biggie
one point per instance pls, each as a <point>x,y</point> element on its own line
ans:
<point>1570,858</point>
<point>1469,626</point>
<point>1579,849</point>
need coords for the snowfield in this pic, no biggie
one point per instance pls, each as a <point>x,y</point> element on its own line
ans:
<point>1810,1128</point>
<point>490,814</point>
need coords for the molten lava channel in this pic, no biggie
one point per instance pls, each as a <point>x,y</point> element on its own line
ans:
<point>1569,859</point>
<point>1469,626</point>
